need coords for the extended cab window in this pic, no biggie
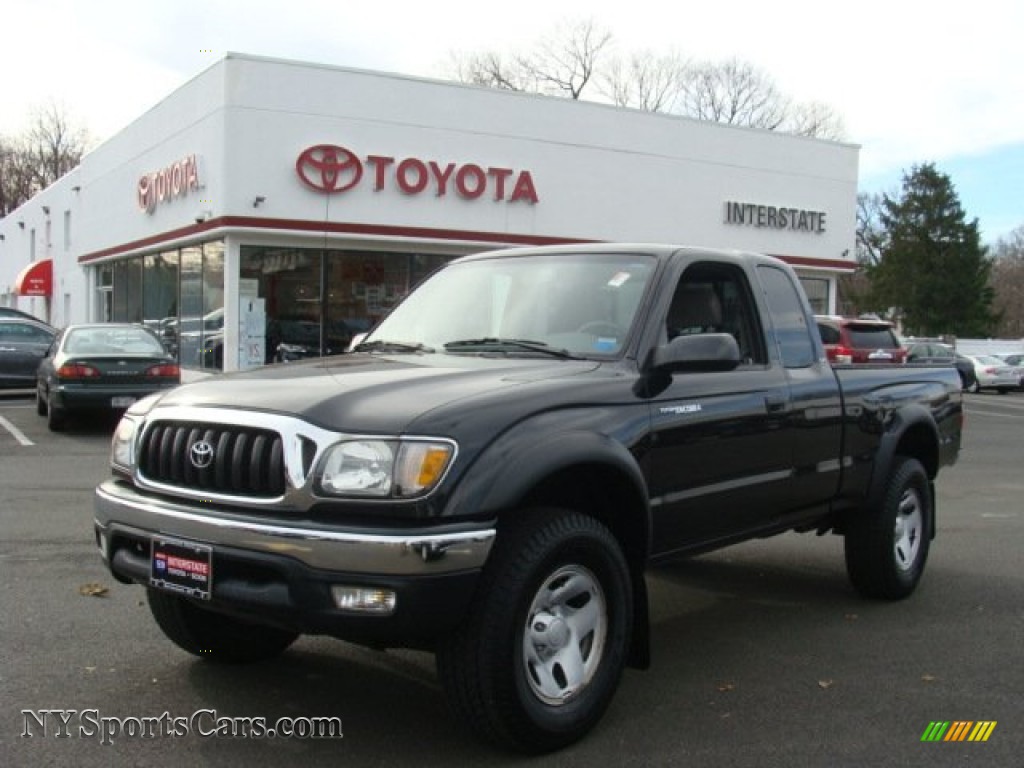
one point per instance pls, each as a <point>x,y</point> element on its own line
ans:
<point>715,298</point>
<point>789,318</point>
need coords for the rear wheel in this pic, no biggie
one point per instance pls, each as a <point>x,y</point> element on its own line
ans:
<point>56,418</point>
<point>538,660</point>
<point>213,636</point>
<point>887,547</point>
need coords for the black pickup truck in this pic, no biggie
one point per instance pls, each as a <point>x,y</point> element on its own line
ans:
<point>488,475</point>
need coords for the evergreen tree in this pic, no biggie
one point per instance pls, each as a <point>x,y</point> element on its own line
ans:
<point>933,268</point>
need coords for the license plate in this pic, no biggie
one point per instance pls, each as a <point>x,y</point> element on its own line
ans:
<point>880,355</point>
<point>181,566</point>
<point>121,402</point>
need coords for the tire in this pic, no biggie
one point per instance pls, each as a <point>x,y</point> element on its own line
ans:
<point>974,387</point>
<point>56,418</point>
<point>537,661</point>
<point>213,636</point>
<point>40,403</point>
<point>887,547</point>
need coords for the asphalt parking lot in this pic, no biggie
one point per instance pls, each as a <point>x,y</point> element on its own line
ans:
<point>762,653</point>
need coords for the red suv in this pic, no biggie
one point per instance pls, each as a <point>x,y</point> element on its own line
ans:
<point>859,340</point>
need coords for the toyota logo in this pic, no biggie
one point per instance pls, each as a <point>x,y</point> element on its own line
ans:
<point>201,454</point>
<point>329,168</point>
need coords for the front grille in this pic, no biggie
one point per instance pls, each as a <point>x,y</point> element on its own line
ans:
<point>245,462</point>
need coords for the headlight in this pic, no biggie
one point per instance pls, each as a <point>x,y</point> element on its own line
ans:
<point>385,468</point>
<point>122,446</point>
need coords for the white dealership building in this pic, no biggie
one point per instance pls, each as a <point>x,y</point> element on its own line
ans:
<point>273,204</point>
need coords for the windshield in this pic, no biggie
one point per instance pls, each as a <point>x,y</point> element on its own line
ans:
<point>580,304</point>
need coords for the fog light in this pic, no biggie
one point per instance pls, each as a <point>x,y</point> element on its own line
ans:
<point>364,600</point>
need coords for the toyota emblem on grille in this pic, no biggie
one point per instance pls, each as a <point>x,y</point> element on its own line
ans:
<point>201,454</point>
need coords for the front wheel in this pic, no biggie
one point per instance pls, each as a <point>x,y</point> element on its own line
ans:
<point>538,660</point>
<point>213,636</point>
<point>886,547</point>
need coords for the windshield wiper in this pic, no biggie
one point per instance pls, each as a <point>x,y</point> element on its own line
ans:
<point>494,344</point>
<point>392,346</point>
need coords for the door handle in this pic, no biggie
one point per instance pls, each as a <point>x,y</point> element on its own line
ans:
<point>774,403</point>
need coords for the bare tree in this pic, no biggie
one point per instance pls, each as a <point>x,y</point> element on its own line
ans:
<point>57,144</point>
<point>17,177</point>
<point>565,63</point>
<point>645,81</point>
<point>580,54</point>
<point>734,92</point>
<point>488,69</point>
<point>1008,284</point>
<point>814,119</point>
<point>870,232</point>
<point>48,149</point>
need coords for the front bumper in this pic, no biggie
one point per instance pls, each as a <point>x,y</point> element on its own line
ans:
<point>281,574</point>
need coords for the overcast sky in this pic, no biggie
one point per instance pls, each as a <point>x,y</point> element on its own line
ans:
<point>915,81</point>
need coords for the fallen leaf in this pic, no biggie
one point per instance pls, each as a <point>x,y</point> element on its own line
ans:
<point>92,589</point>
<point>825,684</point>
<point>725,687</point>
<point>90,669</point>
<point>929,678</point>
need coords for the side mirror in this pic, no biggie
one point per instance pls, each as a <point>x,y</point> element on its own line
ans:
<point>703,352</point>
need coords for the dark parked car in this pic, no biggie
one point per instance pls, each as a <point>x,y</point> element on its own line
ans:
<point>101,367</point>
<point>23,343</point>
<point>859,340</point>
<point>11,312</point>
<point>937,353</point>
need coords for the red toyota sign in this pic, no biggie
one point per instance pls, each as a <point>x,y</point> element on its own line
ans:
<point>330,169</point>
<point>176,180</point>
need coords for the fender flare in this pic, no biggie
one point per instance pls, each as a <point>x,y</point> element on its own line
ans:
<point>902,421</point>
<point>505,473</point>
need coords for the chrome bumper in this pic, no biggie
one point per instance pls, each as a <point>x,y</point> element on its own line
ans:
<point>119,508</point>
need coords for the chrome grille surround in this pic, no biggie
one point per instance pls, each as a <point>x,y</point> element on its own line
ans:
<point>302,446</point>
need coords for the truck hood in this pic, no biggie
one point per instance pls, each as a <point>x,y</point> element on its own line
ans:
<point>378,394</point>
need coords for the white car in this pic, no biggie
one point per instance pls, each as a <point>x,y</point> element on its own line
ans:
<point>993,373</point>
<point>1016,361</point>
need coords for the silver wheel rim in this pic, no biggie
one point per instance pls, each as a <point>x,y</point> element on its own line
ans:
<point>565,633</point>
<point>908,531</point>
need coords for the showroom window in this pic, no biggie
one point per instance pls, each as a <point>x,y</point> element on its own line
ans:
<point>316,301</point>
<point>816,289</point>
<point>180,294</point>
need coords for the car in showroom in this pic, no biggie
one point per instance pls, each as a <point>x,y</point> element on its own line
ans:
<point>101,367</point>
<point>995,373</point>
<point>23,343</point>
<point>859,340</point>
<point>939,353</point>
